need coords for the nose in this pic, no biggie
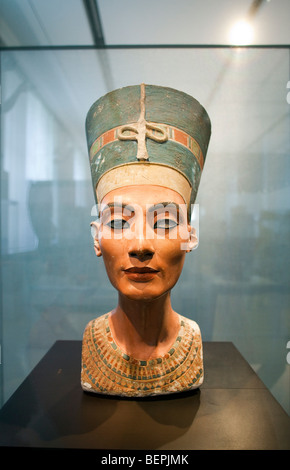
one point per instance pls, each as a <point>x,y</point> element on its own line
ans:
<point>141,254</point>
<point>141,245</point>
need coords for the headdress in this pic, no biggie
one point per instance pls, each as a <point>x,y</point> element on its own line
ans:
<point>147,135</point>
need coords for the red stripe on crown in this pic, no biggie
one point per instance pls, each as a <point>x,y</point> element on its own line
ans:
<point>174,134</point>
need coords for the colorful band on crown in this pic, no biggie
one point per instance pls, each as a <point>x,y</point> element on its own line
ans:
<point>174,134</point>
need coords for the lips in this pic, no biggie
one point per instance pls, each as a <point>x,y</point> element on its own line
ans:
<point>144,274</point>
<point>141,270</point>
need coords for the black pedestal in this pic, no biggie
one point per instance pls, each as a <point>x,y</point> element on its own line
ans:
<point>232,410</point>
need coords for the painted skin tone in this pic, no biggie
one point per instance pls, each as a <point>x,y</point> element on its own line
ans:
<point>141,244</point>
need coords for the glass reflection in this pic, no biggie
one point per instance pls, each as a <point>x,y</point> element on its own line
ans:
<point>235,285</point>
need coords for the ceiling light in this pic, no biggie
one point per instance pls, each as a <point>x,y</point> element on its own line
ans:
<point>241,33</point>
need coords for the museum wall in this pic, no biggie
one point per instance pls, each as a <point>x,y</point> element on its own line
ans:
<point>235,284</point>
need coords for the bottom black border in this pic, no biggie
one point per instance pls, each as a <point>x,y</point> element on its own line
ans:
<point>98,458</point>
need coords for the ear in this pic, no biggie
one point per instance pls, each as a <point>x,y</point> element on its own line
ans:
<point>193,240</point>
<point>95,229</point>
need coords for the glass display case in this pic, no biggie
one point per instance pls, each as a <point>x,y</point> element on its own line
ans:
<point>235,284</point>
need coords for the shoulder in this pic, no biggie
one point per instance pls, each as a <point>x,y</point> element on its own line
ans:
<point>191,324</point>
<point>96,324</point>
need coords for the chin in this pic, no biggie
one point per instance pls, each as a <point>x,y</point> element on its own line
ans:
<point>143,292</point>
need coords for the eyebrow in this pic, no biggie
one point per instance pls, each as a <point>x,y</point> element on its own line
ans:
<point>155,207</point>
<point>119,205</point>
<point>162,205</point>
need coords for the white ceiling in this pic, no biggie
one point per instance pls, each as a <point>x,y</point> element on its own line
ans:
<point>190,21</point>
<point>127,22</point>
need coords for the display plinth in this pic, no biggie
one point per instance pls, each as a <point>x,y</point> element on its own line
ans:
<point>232,410</point>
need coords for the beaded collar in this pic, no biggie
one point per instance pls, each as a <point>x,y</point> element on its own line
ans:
<point>107,369</point>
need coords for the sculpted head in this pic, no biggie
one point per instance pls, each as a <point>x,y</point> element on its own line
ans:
<point>147,147</point>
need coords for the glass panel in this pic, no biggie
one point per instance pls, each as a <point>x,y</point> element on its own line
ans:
<point>235,285</point>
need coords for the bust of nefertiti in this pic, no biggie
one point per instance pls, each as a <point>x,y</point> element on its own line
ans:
<point>147,147</point>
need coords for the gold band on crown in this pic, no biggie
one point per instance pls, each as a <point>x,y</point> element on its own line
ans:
<point>153,173</point>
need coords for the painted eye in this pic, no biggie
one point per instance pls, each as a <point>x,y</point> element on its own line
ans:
<point>118,224</point>
<point>165,224</point>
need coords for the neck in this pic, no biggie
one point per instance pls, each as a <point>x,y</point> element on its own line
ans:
<point>144,329</point>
